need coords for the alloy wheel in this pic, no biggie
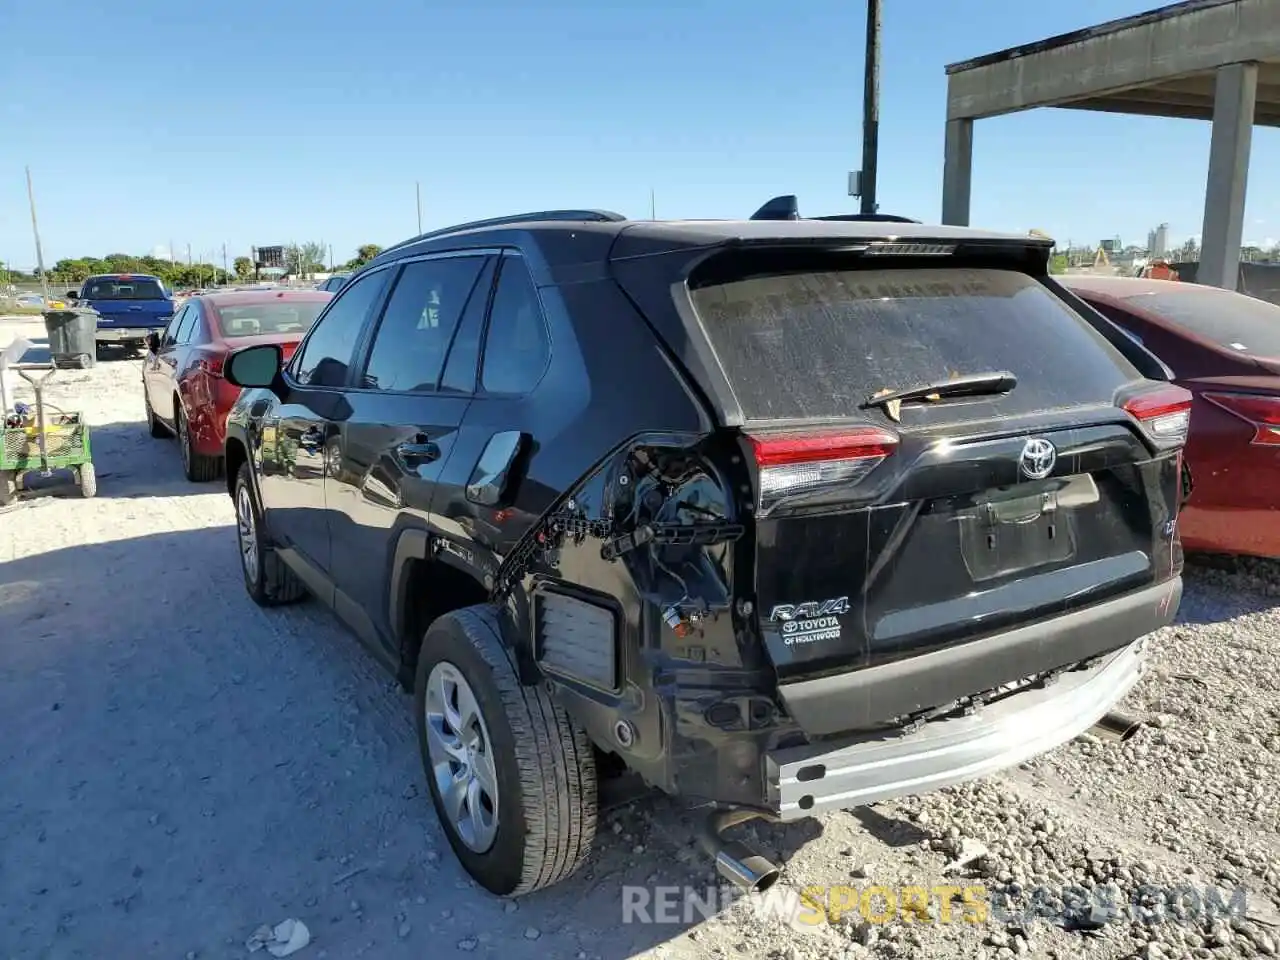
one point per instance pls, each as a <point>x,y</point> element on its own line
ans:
<point>461,756</point>
<point>247,530</point>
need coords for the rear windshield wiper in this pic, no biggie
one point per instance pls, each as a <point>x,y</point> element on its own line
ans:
<point>968,385</point>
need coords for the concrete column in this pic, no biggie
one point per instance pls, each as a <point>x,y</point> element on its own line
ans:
<point>1235,95</point>
<point>957,172</point>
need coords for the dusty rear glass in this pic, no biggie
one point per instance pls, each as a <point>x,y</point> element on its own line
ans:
<point>133,289</point>
<point>1232,320</point>
<point>806,345</point>
<point>250,320</point>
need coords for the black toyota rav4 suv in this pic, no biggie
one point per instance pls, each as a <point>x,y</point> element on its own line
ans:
<point>782,515</point>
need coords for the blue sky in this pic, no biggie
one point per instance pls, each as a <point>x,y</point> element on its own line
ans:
<point>147,122</point>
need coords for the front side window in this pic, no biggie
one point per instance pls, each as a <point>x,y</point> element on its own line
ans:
<point>417,326</point>
<point>171,331</point>
<point>325,357</point>
<point>517,348</point>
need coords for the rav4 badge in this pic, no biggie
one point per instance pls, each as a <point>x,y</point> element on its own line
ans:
<point>796,611</point>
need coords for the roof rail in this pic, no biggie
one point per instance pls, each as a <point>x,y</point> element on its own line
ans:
<point>787,207</point>
<point>869,217</point>
<point>591,216</point>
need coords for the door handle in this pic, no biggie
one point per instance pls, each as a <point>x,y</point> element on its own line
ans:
<point>492,473</point>
<point>416,453</point>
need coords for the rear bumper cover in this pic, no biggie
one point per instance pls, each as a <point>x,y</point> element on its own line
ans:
<point>862,698</point>
<point>806,780</point>
<point>125,334</point>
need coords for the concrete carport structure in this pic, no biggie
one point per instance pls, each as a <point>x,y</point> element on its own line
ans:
<point>1213,60</point>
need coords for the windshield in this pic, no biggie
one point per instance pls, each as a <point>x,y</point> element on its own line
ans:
<point>252,319</point>
<point>1231,320</point>
<point>134,288</point>
<point>807,345</point>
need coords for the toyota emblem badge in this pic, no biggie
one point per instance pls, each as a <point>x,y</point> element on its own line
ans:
<point>1038,458</point>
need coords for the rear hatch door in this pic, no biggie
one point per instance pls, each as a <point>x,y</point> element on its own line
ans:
<point>886,530</point>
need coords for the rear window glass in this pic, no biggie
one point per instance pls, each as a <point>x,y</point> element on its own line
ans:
<point>1232,320</point>
<point>818,344</point>
<point>252,319</point>
<point>135,289</point>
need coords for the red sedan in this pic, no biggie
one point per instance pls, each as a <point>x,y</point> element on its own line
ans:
<point>182,383</point>
<point>1225,348</point>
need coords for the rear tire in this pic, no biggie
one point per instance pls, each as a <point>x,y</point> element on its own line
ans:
<point>542,763</point>
<point>88,481</point>
<point>197,467</point>
<point>8,488</point>
<point>157,429</point>
<point>268,580</point>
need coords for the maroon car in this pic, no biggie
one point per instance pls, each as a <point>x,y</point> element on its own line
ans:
<point>1225,348</point>
<point>182,383</point>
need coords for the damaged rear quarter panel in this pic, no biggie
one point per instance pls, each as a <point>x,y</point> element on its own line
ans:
<point>634,396</point>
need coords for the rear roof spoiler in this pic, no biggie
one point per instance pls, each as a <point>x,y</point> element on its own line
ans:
<point>787,207</point>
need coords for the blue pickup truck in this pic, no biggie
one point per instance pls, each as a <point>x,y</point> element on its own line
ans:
<point>130,306</point>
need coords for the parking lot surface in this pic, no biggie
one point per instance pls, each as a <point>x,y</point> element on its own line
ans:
<point>179,767</point>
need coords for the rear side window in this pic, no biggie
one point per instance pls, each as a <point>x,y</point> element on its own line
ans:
<point>464,355</point>
<point>807,345</point>
<point>516,348</point>
<point>1231,320</point>
<point>417,326</point>
<point>188,326</point>
<point>135,288</point>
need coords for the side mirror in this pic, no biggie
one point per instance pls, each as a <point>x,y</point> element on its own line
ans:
<point>73,294</point>
<point>256,366</point>
<point>153,342</point>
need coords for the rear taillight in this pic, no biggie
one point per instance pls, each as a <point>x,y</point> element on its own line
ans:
<point>795,464</point>
<point>1164,414</point>
<point>1261,413</point>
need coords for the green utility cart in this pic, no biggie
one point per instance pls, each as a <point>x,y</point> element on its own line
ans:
<point>43,440</point>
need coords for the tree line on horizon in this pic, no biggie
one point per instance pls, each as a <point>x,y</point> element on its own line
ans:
<point>300,259</point>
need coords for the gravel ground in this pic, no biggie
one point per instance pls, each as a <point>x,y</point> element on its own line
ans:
<point>181,767</point>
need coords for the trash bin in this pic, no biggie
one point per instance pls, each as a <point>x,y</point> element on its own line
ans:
<point>73,337</point>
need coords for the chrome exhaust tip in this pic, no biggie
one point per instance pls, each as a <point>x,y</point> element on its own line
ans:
<point>1117,727</point>
<point>735,861</point>
<point>746,870</point>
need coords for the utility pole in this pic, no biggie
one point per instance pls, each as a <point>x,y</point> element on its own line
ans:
<point>417,191</point>
<point>188,254</point>
<point>871,108</point>
<point>35,232</point>
<point>653,205</point>
<point>331,258</point>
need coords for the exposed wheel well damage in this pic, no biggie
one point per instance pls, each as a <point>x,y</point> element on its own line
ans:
<point>431,589</point>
